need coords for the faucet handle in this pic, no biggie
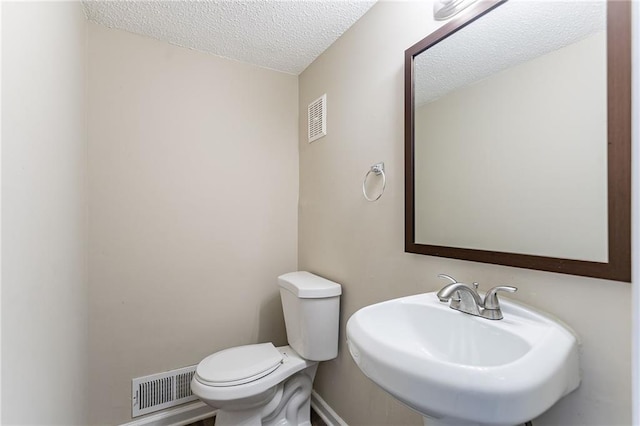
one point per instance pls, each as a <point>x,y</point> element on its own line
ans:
<point>491,298</point>
<point>455,299</point>
<point>445,276</point>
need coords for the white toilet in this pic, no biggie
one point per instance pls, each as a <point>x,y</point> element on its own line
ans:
<point>264,385</point>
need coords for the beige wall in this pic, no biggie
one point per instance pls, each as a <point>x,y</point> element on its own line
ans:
<point>44,220</point>
<point>360,244</point>
<point>193,183</point>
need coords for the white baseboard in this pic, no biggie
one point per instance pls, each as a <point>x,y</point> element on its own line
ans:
<point>178,416</point>
<point>190,413</point>
<point>326,413</point>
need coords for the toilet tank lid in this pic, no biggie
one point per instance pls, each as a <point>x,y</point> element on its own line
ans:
<point>306,285</point>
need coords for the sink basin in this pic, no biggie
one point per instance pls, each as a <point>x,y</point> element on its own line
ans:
<point>463,369</point>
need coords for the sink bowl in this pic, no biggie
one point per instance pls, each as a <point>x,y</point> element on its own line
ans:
<point>463,369</point>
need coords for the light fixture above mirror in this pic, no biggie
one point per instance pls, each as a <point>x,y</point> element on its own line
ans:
<point>447,9</point>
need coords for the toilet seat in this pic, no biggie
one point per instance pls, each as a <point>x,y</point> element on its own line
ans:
<point>257,391</point>
<point>239,365</point>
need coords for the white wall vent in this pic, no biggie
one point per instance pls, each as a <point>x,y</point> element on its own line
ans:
<point>318,118</point>
<point>163,390</point>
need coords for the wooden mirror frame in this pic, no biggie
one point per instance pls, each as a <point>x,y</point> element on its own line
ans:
<point>618,266</point>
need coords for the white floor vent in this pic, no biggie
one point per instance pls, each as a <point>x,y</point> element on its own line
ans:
<point>163,390</point>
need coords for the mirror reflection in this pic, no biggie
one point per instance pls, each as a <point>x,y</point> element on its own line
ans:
<point>510,143</point>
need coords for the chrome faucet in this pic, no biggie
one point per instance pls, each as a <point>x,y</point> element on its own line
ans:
<point>465,298</point>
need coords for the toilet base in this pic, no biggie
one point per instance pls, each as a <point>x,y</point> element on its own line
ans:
<point>290,405</point>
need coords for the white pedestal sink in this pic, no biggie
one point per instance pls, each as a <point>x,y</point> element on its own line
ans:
<point>459,369</point>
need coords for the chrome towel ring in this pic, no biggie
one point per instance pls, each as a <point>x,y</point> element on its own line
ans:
<point>377,169</point>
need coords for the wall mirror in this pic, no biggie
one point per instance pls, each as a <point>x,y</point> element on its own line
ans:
<point>518,137</point>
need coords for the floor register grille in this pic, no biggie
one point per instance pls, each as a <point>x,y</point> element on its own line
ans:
<point>162,390</point>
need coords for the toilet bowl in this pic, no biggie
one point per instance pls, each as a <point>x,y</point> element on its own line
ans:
<point>261,384</point>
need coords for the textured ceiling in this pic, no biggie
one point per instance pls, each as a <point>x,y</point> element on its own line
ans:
<point>283,35</point>
<point>515,32</point>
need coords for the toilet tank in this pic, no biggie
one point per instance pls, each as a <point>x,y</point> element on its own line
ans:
<point>311,306</point>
